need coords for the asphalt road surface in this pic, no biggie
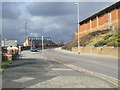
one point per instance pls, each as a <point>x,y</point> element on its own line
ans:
<point>100,64</point>
<point>34,70</point>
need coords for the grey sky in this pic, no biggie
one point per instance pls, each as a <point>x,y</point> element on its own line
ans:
<point>57,20</point>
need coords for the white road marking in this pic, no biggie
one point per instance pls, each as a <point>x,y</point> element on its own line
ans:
<point>23,79</point>
<point>62,69</point>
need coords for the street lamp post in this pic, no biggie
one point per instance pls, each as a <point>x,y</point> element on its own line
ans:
<point>78,28</point>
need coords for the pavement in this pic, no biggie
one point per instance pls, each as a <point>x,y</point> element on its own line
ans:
<point>26,71</point>
<point>34,70</point>
<point>86,54</point>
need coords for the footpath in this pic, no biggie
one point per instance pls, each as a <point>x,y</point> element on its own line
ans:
<point>86,54</point>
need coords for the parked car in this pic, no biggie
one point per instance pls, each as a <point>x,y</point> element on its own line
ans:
<point>34,50</point>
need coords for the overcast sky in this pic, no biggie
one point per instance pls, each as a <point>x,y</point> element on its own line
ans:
<point>57,20</point>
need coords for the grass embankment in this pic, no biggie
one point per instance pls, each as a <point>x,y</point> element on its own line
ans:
<point>110,39</point>
<point>5,64</point>
<point>103,38</point>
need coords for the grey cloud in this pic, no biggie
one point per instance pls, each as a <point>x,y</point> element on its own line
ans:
<point>57,20</point>
<point>63,8</point>
<point>10,10</point>
<point>51,9</point>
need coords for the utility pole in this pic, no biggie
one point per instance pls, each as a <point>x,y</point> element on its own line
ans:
<point>42,46</point>
<point>26,30</point>
<point>31,43</point>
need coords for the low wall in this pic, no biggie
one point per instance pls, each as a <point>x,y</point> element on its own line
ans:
<point>98,50</point>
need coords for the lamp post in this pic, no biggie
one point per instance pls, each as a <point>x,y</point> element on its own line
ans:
<point>78,28</point>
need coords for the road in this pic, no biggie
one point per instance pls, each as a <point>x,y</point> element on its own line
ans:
<point>34,70</point>
<point>104,65</point>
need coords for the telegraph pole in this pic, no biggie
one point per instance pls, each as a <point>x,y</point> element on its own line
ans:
<point>26,30</point>
<point>31,43</point>
<point>42,46</point>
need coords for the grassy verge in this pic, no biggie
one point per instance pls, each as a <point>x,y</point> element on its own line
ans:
<point>104,38</point>
<point>1,70</point>
<point>5,64</point>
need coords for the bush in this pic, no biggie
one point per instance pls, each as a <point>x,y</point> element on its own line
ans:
<point>107,37</point>
<point>118,44</point>
<point>100,43</point>
<point>113,43</point>
<point>6,64</point>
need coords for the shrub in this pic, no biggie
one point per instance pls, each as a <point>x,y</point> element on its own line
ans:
<point>107,37</point>
<point>6,64</point>
<point>118,44</point>
<point>100,43</point>
<point>113,43</point>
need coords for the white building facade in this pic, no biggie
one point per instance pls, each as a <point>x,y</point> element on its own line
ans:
<point>6,43</point>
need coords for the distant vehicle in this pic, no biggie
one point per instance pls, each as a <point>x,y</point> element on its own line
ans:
<point>34,50</point>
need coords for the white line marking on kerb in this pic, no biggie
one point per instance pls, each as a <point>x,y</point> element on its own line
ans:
<point>23,79</point>
<point>62,69</point>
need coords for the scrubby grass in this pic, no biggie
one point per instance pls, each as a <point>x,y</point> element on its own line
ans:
<point>97,39</point>
<point>5,64</point>
<point>111,39</point>
<point>91,44</point>
<point>1,70</point>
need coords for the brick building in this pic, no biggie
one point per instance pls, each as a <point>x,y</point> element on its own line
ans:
<point>108,18</point>
<point>37,41</point>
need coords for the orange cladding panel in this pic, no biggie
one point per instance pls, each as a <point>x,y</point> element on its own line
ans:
<point>94,23</point>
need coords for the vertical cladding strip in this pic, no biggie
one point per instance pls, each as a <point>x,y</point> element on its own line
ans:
<point>110,15</point>
<point>97,22</point>
<point>90,25</point>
